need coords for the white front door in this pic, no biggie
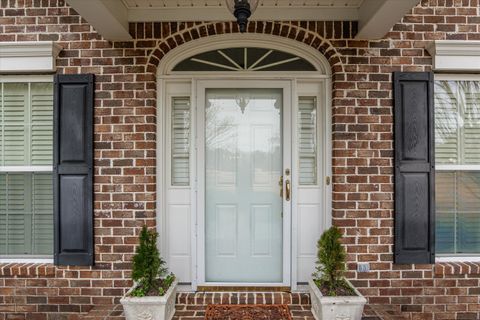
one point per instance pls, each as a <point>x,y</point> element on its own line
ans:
<point>244,163</point>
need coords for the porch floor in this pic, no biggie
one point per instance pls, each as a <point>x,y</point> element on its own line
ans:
<point>192,306</point>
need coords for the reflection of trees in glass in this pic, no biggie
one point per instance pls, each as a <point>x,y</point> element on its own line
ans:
<point>220,127</point>
<point>446,111</point>
<point>457,104</point>
<point>469,96</point>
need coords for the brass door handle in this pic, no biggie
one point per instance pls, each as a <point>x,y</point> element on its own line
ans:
<point>280,183</point>
<point>287,190</point>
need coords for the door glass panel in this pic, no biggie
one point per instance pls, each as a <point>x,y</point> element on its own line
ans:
<point>243,207</point>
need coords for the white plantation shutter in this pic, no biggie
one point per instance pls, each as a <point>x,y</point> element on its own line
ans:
<point>42,207</point>
<point>26,140</point>
<point>41,123</point>
<point>19,215</point>
<point>307,140</point>
<point>458,212</point>
<point>446,126</point>
<point>468,212</point>
<point>3,213</point>
<point>26,214</point>
<point>457,122</point>
<point>471,129</point>
<point>445,208</point>
<point>1,127</point>
<point>457,125</point>
<point>180,161</point>
<point>15,99</point>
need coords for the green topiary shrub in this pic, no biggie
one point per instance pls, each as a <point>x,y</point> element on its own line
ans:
<point>149,269</point>
<point>331,265</point>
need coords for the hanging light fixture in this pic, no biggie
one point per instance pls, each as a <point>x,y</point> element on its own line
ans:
<point>242,10</point>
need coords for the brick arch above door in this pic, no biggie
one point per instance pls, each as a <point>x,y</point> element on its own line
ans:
<point>313,34</point>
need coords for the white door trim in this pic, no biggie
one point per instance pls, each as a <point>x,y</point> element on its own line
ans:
<point>165,77</point>
<point>163,174</point>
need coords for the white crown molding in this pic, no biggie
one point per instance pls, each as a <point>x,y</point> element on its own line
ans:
<point>455,55</point>
<point>29,56</point>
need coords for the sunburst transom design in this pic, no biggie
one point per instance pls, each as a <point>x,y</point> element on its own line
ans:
<point>244,59</point>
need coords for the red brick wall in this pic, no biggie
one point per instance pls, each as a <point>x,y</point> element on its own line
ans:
<point>125,127</point>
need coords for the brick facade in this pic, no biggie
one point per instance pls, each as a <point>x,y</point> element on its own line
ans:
<point>125,151</point>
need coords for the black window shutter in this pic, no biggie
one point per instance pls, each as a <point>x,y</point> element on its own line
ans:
<point>414,167</point>
<point>73,169</point>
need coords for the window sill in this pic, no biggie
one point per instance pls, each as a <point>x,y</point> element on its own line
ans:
<point>458,259</point>
<point>26,260</point>
<point>26,269</point>
<point>457,266</point>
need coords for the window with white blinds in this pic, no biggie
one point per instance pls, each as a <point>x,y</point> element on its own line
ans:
<point>307,140</point>
<point>180,142</point>
<point>457,119</point>
<point>457,151</point>
<point>26,187</point>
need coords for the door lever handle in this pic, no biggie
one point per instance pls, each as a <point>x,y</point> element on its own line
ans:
<point>287,190</point>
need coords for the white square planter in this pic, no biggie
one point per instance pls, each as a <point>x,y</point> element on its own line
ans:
<point>336,308</point>
<point>150,308</point>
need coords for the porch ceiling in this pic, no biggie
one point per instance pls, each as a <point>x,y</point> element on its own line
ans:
<point>111,17</point>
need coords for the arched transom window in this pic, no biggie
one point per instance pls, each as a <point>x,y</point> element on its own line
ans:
<point>244,59</point>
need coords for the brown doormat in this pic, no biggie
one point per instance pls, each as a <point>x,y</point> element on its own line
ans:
<point>247,312</point>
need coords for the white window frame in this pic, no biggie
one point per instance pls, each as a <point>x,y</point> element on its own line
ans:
<point>455,167</point>
<point>26,169</point>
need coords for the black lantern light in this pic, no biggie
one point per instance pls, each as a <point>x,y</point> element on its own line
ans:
<point>242,10</point>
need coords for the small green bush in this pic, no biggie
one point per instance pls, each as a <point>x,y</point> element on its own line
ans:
<point>331,263</point>
<point>149,269</point>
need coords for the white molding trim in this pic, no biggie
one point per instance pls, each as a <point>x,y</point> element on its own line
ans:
<point>455,55</point>
<point>28,57</point>
<point>215,42</point>
<point>457,76</point>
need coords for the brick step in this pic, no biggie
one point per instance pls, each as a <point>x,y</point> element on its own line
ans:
<point>206,298</point>
<point>299,311</point>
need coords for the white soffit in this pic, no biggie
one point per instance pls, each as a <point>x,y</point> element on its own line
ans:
<point>455,55</point>
<point>111,17</point>
<point>28,57</point>
<point>377,17</point>
<point>216,10</point>
<point>108,17</point>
